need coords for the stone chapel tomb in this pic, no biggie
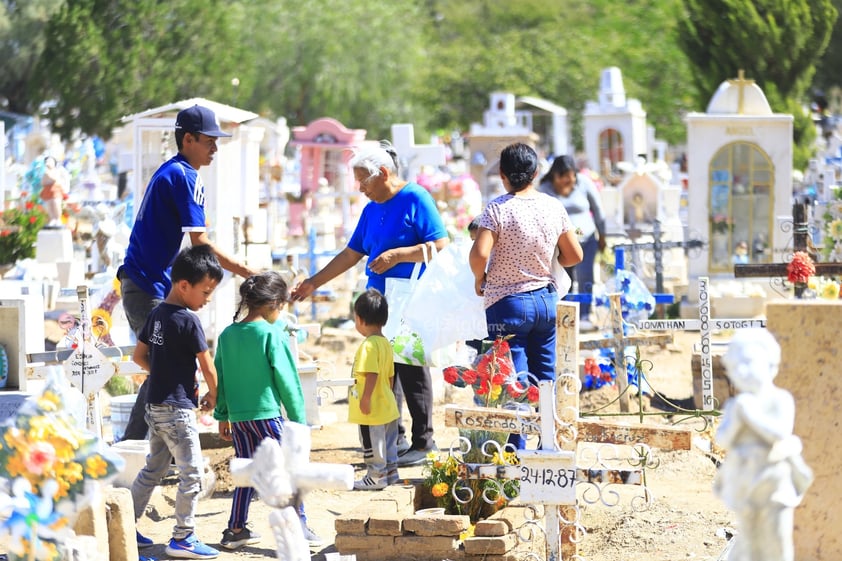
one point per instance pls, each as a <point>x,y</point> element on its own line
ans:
<point>615,126</point>
<point>739,179</point>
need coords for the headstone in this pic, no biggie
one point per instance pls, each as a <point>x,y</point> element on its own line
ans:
<point>502,125</point>
<point>413,157</point>
<point>281,474</point>
<point>21,332</point>
<point>808,333</point>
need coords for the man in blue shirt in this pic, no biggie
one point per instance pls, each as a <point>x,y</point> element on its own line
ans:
<point>172,206</point>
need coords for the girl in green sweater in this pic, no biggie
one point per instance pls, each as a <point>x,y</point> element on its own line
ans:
<point>256,374</point>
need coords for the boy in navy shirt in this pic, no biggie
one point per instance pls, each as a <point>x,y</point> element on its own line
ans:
<point>168,347</point>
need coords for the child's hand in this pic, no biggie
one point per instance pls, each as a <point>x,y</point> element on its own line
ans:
<point>225,430</point>
<point>365,405</point>
<point>208,402</point>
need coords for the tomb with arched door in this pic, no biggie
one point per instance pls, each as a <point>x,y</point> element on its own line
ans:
<point>739,180</point>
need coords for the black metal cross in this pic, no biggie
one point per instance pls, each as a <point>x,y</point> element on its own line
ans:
<point>800,238</point>
<point>658,246</point>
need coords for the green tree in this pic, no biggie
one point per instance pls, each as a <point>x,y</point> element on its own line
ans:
<point>776,42</point>
<point>357,64</point>
<point>109,58</point>
<point>555,50</point>
<point>22,41</point>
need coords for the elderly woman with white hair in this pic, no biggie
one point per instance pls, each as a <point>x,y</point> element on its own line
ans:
<point>400,219</point>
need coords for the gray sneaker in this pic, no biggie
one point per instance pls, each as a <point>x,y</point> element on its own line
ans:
<point>414,457</point>
<point>403,444</point>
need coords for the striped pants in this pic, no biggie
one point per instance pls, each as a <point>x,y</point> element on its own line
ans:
<point>247,436</point>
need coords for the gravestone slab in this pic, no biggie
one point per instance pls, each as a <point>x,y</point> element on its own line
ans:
<point>808,333</point>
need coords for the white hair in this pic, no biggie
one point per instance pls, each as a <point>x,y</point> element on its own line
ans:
<point>372,157</point>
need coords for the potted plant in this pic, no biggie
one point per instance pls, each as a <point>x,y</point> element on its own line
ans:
<point>19,227</point>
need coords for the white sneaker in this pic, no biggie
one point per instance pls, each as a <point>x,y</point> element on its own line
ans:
<point>368,483</point>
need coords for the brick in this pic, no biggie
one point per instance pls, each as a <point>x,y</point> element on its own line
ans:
<point>442,525</point>
<point>404,497</point>
<point>355,544</point>
<point>122,544</point>
<point>513,516</point>
<point>407,544</point>
<point>490,546</point>
<point>355,520</point>
<point>385,525</point>
<point>491,528</point>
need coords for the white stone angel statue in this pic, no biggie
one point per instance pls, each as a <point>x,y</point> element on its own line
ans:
<point>763,476</point>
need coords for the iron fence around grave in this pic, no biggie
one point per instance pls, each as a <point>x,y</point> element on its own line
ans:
<point>577,459</point>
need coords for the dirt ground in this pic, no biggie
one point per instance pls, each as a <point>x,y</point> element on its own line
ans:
<point>683,520</point>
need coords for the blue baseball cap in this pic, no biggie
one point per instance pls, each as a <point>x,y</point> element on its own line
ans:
<point>199,119</point>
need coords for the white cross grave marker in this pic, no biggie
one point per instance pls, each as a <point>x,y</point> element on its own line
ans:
<point>705,324</point>
<point>87,368</point>
<point>412,156</point>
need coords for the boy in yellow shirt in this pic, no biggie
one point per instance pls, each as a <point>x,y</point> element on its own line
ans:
<point>371,401</point>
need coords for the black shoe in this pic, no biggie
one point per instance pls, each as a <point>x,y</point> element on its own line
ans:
<point>234,540</point>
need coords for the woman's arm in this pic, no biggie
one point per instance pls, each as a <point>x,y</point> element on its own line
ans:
<point>478,258</point>
<point>569,249</point>
<point>409,254</point>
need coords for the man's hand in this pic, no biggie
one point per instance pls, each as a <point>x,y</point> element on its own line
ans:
<point>208,402</point>
<point>365,405</point>
<point>600,244</point>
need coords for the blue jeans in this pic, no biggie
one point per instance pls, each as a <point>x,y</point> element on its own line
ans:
<point>137,304</point>
<point>530,317</point>
<point>173,433</point>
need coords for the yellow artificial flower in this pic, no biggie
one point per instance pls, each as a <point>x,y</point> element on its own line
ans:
<point>100,323</point>
<point>835,229</point>
<point>439,490</point>
<point>96,467</point>
<point>496,391</point>
<point>830,291</point>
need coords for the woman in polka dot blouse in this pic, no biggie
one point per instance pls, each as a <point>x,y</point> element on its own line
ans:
<point>512,263</point>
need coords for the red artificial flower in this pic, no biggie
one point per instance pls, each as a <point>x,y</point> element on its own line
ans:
<point>532,394</point>
<point>451,375</point>
<point>483,388</point>
<point>501,346</point>
<point>482,365</point>
<point>591,366</point>
<point>33,219</point>
<point>29,205</point>
<point>498,379</point>
<point>504,364</point>
<point>801,268</point>
<point>469,377</point>
<point>514,390</point>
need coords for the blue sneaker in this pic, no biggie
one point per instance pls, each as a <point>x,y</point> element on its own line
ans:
<point>190,548</point>
<point>143,541</point>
